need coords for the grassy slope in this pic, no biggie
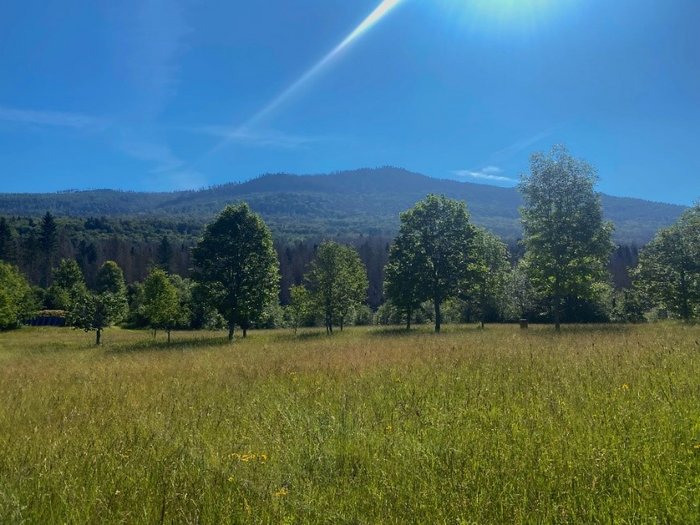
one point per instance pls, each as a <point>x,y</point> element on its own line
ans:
<point>599,424</point>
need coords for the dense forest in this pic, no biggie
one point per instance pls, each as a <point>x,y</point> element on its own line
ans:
<point>440,266</point>
<point>139,244</point>
<point>345,204</point>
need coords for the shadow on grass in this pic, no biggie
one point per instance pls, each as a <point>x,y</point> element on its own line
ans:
<point>155,345</point>
<point>399,331</point>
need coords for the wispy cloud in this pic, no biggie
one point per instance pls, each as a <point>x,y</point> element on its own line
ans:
<point>159,155</point>
<point>490,173</point>
<point>257,138</point>
<point>49,118</point>
<point>520,145</point>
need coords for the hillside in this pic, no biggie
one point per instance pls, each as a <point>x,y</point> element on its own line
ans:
<point>366,201</point>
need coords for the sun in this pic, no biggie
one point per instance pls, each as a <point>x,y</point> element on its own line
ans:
<point>503,14</point>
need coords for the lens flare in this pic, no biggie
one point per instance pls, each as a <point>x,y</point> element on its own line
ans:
<point>382,10</point>
<point>374,17</point>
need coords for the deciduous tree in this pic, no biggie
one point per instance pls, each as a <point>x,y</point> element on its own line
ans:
<point>438,239</point>
<point>338,282</point>
<point>16,303</point>
<point>107,305</point>
<point>237,265</point>
<point>161,302</point>
<point>668,274</point>
<point>568,244</point>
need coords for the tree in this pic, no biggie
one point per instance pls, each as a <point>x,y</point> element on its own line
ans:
<point>8,250</point>
<point>66,278</point>
<point>486,287</point>
<point>165,254</point>
<point>402,286</point>
<point>105,306</point>
<point>520,292</point>
<point>439,236</point>
<point>338,282</point>
<point>668,273</point>
<point>161,302</point>
<point>300,305</point>
<point>236,263</point>
<point>568,244</point>
<point>48,244</point>
<point>16,302</point>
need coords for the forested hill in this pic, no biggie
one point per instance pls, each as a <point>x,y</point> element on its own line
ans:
<point>366,201</point>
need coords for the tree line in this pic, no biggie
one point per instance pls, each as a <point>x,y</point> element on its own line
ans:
<point>439,268</point>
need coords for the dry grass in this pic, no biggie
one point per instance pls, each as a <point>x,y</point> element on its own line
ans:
<point>597,424</point>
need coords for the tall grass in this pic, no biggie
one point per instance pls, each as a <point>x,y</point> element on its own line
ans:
<point>594,425</point>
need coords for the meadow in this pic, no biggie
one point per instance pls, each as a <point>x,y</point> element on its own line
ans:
<point>597,424</point>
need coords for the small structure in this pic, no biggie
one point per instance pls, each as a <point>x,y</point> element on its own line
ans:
<point>48,318</point>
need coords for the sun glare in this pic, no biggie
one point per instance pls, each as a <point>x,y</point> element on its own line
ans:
<point>501,13</point>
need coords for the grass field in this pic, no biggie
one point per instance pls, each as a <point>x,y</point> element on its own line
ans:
<point>595,425</point>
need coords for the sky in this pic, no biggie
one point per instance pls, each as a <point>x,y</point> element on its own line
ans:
<point>163,95</point>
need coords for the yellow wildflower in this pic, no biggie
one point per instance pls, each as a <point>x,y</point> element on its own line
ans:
<point>281,492</point>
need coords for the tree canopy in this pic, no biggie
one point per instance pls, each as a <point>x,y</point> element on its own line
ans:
<point>236,263</point>
<point>435,245</point>
<point>669,267</point>
<point>338,282</point>
<point>568,244</point>
<point>16,303</point>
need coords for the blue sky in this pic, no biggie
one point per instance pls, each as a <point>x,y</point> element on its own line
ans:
<point>163,94</point>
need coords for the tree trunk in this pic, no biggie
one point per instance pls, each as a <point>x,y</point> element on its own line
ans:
<point>231,326</point>
<point>438,316</point>
<point>245,332</point>
<point>168,336</point>
<point>342,321</point>
<point>482,323</point>
<point>98,336</point>
<point>557,314</point>
<point>408,318</point>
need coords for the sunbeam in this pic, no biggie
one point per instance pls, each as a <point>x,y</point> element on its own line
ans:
<point>374,17</point>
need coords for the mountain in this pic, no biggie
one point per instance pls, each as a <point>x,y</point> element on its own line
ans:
<point>365,201</point>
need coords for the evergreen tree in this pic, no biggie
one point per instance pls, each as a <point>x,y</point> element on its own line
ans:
<point>237,265</point>
<point>165,254</point>
<point>568,244</point>
<point>7,242</point>
<point>48,244</point>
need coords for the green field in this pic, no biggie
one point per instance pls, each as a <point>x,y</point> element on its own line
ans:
<point>599,424</point>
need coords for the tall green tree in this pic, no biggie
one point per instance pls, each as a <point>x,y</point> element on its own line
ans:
<point>486,287</point>
<point>16,300</point>
<point>67,277</point>
<point>164,255</point>
<point>99,309</point>
<point>568,244</point>
<point>402,285</point>
<point>338,282</point>
<point>237,264</point>
<point>161,302</point>
<point>8,251</point>
<point>440,238</point>
<point>668,273</point>
<point>300,305</point>
<point>48,244</point>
